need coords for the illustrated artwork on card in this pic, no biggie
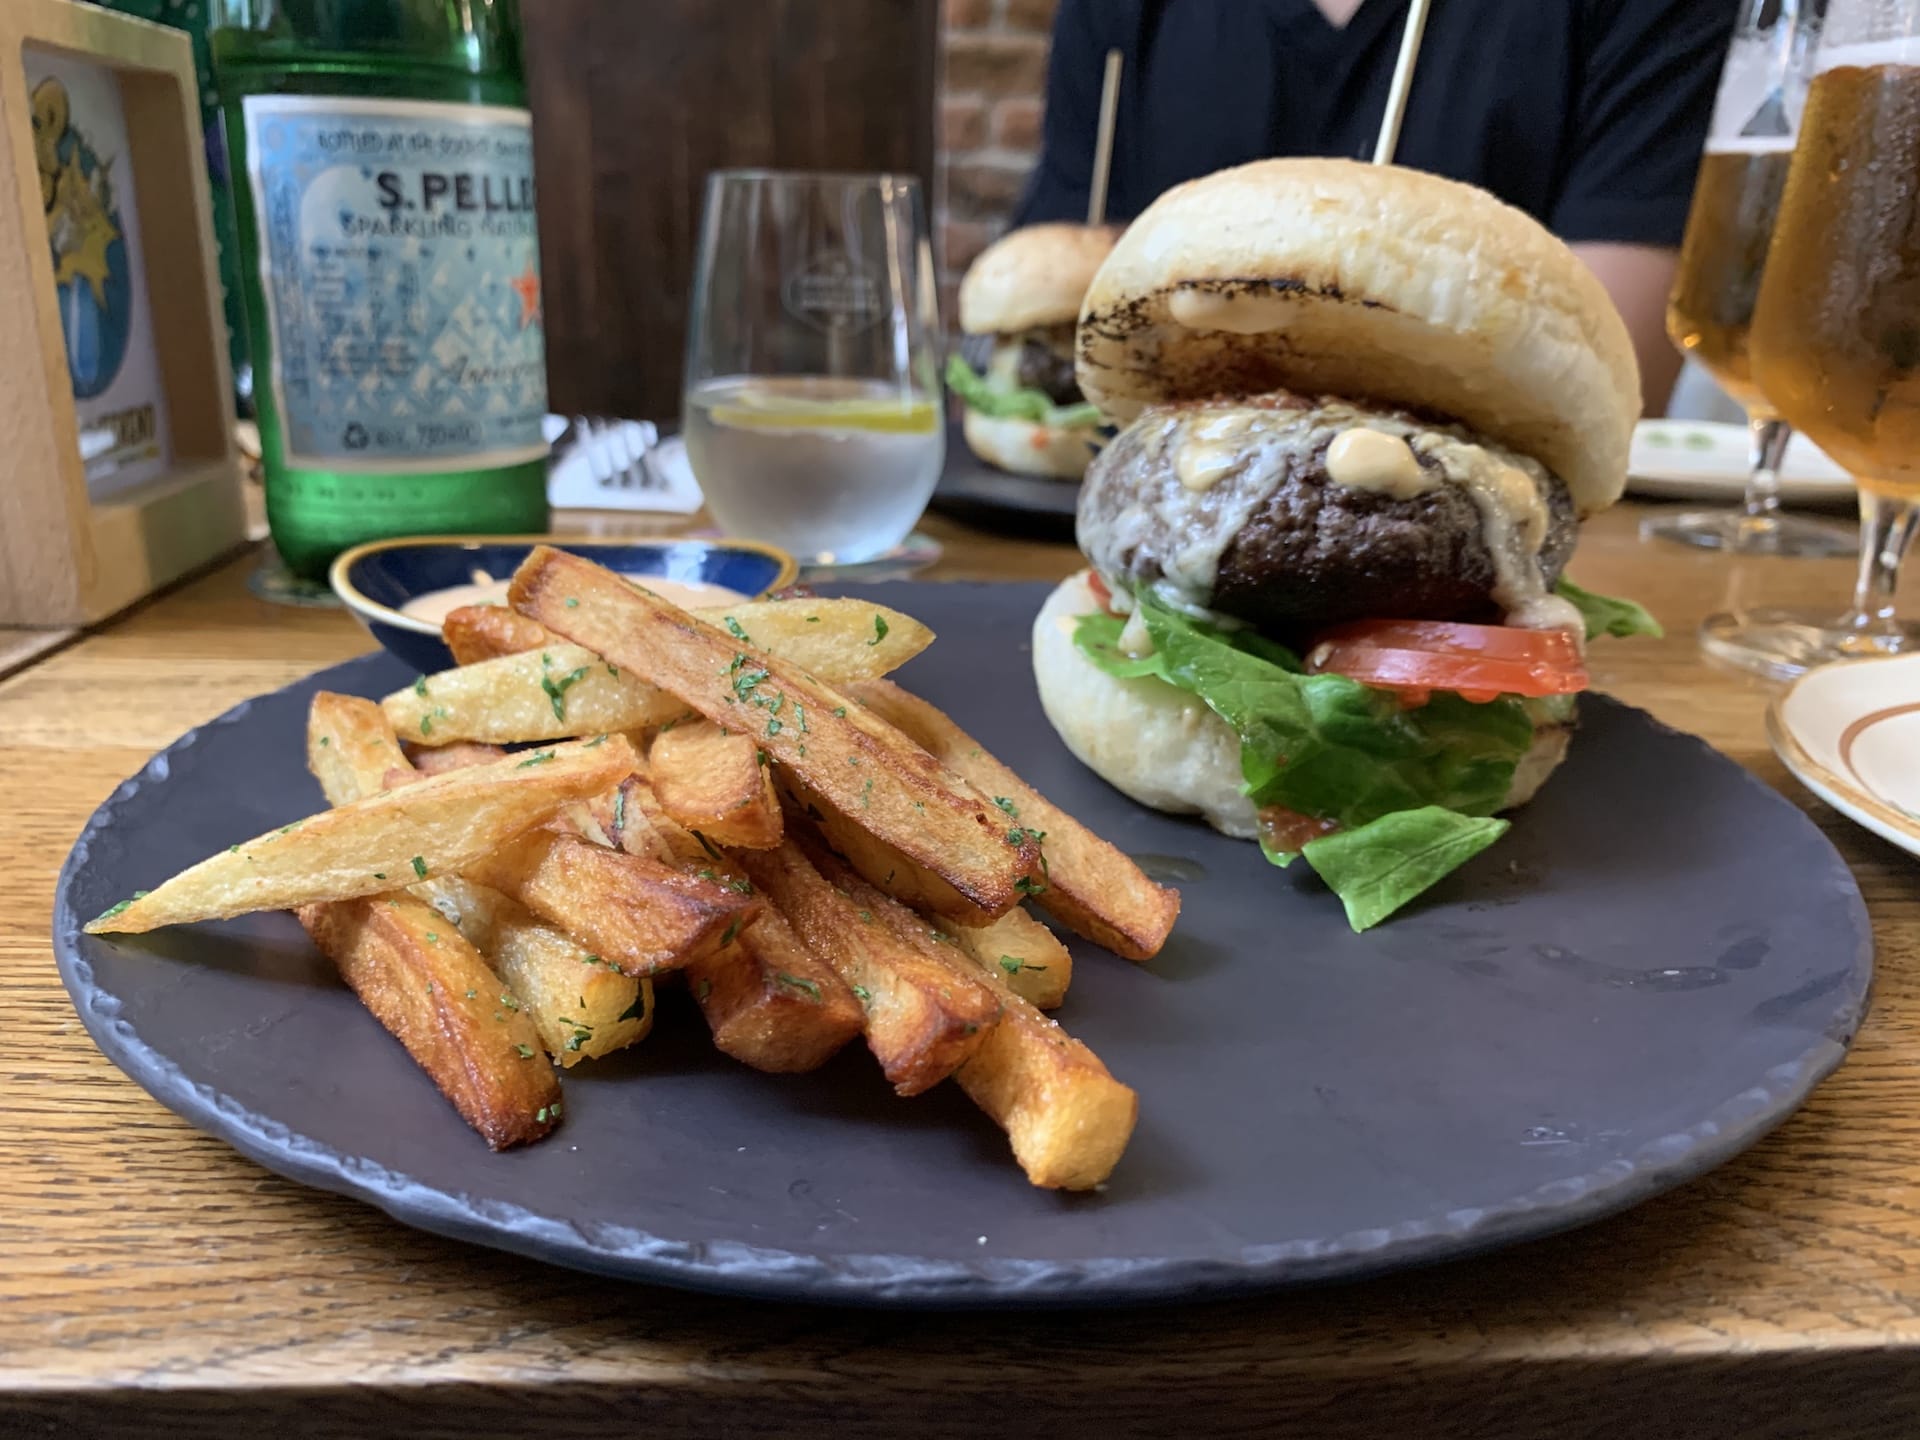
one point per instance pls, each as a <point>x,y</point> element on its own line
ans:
<point>93,231</point>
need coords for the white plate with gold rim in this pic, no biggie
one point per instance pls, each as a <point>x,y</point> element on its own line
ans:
<point>1850,733</point>
<point>1705,460</point>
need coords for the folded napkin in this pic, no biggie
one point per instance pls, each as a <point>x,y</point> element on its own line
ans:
<point>583,473</point>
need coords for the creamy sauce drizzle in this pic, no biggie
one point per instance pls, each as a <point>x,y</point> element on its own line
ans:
<point>1229,459</point>
<point>1364,459</point>
<point>1247,312</point>
<point>435,605</point>
<point>1189,528</point>
<point>1505,488</point>
<point>1211,450</point>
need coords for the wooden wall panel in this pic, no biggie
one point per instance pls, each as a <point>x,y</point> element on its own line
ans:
<point>635,102</point>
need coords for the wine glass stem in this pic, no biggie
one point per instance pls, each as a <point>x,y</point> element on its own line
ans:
<point>1887,527</point>
<point>1767,438</point>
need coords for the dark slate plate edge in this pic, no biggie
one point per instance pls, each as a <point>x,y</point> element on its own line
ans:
<point>912,1282</point>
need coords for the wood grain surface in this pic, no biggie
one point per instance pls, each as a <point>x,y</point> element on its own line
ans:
<point>152,1282</point>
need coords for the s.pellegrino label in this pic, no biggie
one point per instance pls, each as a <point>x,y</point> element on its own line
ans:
<point>401,274</point>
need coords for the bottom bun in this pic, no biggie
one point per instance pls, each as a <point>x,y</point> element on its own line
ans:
<point>1029,449</point>
<point>1163,746</point>
<point>1543,757</point>
<point>1154,742</point>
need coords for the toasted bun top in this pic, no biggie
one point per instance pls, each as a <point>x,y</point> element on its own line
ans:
<point>1035,276</point>
<point>1372,282</point>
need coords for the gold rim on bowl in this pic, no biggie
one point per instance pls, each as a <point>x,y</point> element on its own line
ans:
<point>1817,777</point>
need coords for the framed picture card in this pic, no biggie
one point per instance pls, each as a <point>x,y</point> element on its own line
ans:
<point>118,471</point>
<point>93,226</point>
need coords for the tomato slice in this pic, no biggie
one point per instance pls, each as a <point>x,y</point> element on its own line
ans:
<point>1288,831</point>
<point>1100,591</point>
<point>1479,662</point>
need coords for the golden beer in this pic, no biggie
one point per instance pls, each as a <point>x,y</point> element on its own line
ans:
<point>1837,337</point>
<point>1723,259</point>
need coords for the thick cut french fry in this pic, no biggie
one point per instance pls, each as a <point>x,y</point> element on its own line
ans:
<point>350,747</point>
<point>637,914</point>
<point>772,1003</point>
<point>485,632</point>
<point>564,988</point>
<point>582,1006</point>
<point>712,781</point>
<point>1093,888</point>
<point>380,842</point>
<point>577,819</point>
<point>836,639</point>
<point>632,820</point>
<point>851,763</point>
<point>1068,1118</point>
<point>1030,957</point>
<point>906,880</point>
<point>573,818</point>
<point>433,993</point>
<point>438,760</point>
<point>770,999</point>
<point>927,1012</point>
<point>557,691</point>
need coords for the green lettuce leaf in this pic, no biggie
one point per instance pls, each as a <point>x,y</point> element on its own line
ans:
<point>1379,867</point>
<point>1604,615</point>
<point>1330,747</point>
<point>1073,417</point>
<point>1324,745</point>
<point>1014,402</point>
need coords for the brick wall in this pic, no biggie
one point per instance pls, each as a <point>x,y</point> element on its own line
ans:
<point>988,136</point>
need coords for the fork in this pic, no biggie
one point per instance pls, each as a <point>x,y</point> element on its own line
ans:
<point>612,458</point>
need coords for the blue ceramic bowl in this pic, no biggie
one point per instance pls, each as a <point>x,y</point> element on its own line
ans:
<point>376,579</point>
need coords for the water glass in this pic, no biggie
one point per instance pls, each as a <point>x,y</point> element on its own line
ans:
<point>812,405</point>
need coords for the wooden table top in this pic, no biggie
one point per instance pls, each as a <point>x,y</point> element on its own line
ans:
<point>152,1281</point>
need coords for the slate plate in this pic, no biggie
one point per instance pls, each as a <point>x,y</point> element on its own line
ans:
<point>1650,971</point>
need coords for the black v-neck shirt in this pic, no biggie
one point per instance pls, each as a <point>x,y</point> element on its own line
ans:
<point>1587,114</point>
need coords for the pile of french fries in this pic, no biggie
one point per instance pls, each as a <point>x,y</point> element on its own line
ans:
<point>737,798</point>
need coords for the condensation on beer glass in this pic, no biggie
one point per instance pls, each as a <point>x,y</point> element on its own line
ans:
<point>1763,90</point>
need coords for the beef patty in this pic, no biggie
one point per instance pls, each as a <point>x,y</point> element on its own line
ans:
<point>1273,541</point>
<point>1049,369</point>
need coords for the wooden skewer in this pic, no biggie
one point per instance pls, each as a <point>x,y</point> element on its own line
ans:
<point>1103,142</point>
<point>1402,83</point>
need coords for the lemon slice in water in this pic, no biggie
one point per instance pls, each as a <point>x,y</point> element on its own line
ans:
<point>761,411</point>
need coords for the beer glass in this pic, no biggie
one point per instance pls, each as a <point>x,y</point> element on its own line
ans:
<point>812,404</point>
<point>1722,259</point>
<point>1836,336</point>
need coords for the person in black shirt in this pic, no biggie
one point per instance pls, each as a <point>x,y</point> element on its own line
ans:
<point>1587,114</point>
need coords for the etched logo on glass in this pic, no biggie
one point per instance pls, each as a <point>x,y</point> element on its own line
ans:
<point>836,292</point>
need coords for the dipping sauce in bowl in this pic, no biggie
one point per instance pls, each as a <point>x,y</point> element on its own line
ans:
<point>402,589</point>
<point>435,605</point>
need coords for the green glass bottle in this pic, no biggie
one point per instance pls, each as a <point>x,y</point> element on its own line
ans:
<point>382,170</point>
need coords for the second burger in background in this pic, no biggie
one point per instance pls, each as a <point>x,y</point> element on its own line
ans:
<point>1026,413</point>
